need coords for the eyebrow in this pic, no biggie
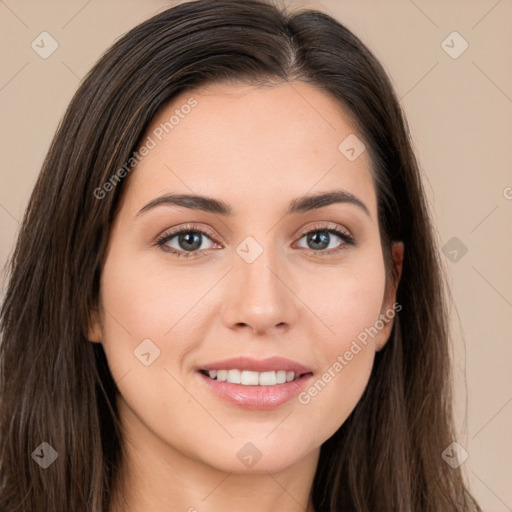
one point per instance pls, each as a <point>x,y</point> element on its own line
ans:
<point>298,205</point>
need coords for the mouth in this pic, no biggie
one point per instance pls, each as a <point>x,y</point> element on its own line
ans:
<point>255,384</point>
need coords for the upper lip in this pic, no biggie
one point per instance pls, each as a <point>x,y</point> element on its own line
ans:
<point>257,365</point>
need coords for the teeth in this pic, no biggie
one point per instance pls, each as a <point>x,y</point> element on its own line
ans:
<point>249,378</point>
<point>281,376</point>
<point>234,376</point>
<point>268,379</point>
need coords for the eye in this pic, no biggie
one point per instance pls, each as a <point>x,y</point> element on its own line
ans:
<point>320,239</point>
<point>188,242</point>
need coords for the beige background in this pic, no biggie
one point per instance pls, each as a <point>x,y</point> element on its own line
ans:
<point>460,114</point>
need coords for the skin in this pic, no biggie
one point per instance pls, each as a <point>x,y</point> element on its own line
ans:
<point>256,149</point>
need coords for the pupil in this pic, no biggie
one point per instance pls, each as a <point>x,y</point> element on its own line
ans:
<point>320,237</point>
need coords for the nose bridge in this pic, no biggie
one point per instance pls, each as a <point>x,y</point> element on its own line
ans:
<point>259,298</point>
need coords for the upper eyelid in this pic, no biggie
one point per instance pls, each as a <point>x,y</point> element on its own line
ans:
<point>173,232</point>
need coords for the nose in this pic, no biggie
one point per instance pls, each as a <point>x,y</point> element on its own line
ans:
<point>260,296</point>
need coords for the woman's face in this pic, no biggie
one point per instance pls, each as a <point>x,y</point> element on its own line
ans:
<point>266,279</point>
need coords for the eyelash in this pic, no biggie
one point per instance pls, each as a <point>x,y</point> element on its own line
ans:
<point>166,237</point>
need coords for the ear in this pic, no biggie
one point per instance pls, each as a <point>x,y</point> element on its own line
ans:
<point>94,333</point>
<point>389,305</point>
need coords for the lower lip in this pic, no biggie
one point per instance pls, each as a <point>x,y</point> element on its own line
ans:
<point>257,397</point>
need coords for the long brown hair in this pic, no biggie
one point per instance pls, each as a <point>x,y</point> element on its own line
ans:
<point>56,386</point>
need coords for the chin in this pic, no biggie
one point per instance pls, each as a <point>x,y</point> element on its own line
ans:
<point>256,457</point>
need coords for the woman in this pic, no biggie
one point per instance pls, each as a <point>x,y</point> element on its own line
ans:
<point>226,293</point>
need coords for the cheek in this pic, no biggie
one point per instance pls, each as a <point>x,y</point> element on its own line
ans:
<point>137,307</point>
<point>348,301</point>
<point>146,300</point>
<point>151,309</point>
<point>351,310</point>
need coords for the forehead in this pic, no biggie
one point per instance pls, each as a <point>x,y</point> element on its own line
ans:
<point>251,145</point>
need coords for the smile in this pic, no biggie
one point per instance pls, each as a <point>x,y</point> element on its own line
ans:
<point>251,383</point>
